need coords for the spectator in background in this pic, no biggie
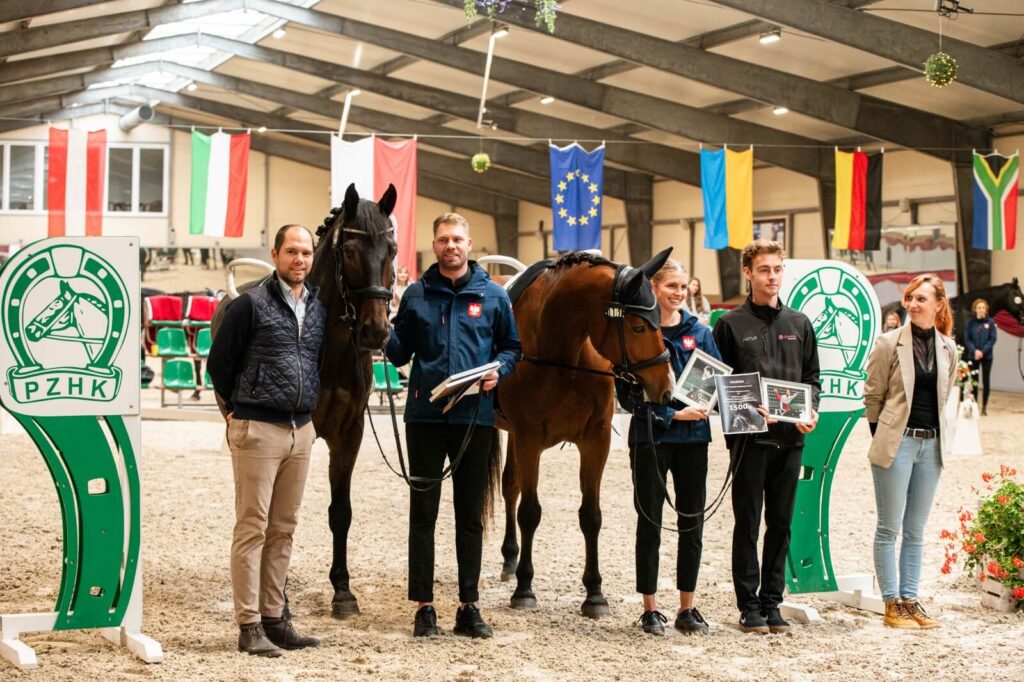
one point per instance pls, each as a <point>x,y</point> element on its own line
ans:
<point>696,302</point>
<point>892,321</point>
<point>402,282</point>
<point>980,339</point>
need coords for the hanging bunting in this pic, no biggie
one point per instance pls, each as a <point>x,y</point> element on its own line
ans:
<point>727,186</point>
<point>75,181</point>
<point>577,185</point>
<point>995,201</point>
<point>220,176</point>
<point>857,222</point>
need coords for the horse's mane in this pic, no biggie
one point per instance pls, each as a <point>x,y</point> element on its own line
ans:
<point>574,258</point>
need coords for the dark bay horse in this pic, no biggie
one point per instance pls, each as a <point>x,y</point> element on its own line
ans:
<point>581,313</point>
<point>352,266</point>
<point>1006,297</point>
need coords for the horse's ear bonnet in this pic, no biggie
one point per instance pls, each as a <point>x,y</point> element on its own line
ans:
<point>636,292</point>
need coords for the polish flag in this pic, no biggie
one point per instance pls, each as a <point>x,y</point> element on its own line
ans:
<point>372,163</point>
<point>77,172</point>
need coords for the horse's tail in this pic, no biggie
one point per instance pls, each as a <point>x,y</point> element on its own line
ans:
<point>493,478</point>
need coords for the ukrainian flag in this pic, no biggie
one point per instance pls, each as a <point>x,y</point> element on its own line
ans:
<point>727,185</point>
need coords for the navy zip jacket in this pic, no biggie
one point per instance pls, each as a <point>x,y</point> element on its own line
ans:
<point>779,343</point>
<point>680,340</point>
<point>980,335</point>
<point>445,331</point>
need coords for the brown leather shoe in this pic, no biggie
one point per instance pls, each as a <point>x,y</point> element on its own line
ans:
<point>896,615</point>
<point>916,611</point>
<point>282,634</point>
<point>253,640</point>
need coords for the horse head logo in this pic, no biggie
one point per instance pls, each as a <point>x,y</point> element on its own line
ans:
<point>66,314</point>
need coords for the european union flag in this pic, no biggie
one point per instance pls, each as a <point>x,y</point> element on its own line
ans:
<point>577,183</point>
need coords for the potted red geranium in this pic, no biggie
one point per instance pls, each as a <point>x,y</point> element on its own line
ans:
<point>992,540</point>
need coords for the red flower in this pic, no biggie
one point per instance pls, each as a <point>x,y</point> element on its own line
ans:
<point>969,548</point>
<point>1017,562</point>
<point>993,568</point>
<point>945,568</point>
<point>1002,499</point>
<point>947,535</point>
<point>986,477</point>
<point>1017,593</point>
<point>979,537</point>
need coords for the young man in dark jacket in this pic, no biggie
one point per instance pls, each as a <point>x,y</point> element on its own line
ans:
<point>453,319</point>
<point>265,366</point>
<point>765,336</point>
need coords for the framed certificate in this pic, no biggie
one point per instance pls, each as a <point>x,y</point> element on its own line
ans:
<point>787,401</point>
<point>696,385</point>
<point>740,395</point>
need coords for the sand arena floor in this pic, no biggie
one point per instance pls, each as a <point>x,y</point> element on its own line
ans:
<point>187,518</point>
<point>187,521</point>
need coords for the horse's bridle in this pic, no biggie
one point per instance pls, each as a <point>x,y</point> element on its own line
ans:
<point>349,297</point>
<point>616,310</point>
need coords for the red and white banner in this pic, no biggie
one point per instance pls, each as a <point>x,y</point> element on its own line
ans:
<point>75,181</point>
<point>372,163</point>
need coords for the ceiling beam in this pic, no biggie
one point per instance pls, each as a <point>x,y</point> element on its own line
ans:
<point>655,159</point>
<point>793,152</point>
<point>15,10</point>
<point>72,100</point>
<point>977,67</point>
<point>55,115</point>
<point>30,90</point>
<point>868,115</point>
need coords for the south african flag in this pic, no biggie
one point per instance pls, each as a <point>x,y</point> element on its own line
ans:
<point>995,201</point>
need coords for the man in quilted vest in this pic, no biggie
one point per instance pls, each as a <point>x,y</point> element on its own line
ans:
<point>264,363</point>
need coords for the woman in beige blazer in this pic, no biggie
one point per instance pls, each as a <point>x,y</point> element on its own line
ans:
<point>911,371</point>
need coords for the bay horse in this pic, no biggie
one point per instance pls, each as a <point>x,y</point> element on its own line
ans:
<point>353,267</point>
<point>581,321</point>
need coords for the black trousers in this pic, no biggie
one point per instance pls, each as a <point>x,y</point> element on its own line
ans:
<point>985,367</point>
<point>429,445</point>
<point>689,466</point>
<point>766,477</point>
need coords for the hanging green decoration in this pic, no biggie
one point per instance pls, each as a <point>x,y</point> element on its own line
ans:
<point>544,16</point>
<point>940,69</point>
<point>481,162</point>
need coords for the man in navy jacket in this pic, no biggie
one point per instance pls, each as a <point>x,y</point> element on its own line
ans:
<point>452,320</point>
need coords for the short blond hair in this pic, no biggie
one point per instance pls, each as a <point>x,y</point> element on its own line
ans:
<point>450,219</point>
<point>760,247</point>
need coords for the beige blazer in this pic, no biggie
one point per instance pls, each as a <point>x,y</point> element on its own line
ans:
<point>889,388</point>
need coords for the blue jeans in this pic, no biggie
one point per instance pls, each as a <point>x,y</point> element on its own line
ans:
<point>903,496</point>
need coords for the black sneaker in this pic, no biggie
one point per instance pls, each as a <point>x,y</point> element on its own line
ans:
<point>425,624</point>
<point>280,632</point>
<point>690,621</point>
<point>469,623</point>
<point>776,623</point>
<point>652,622</point>
<point>753,621</point>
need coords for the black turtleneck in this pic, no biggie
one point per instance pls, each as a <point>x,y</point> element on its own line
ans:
<point>765,312</point>
<point>458,284</point>
<point>924,410</point>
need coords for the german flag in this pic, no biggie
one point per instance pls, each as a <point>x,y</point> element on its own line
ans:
<point>857,222</point>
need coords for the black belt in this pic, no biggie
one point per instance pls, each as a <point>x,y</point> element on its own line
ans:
<point>921,434</point>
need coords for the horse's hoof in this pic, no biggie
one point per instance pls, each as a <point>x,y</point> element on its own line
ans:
<point>508,572</point>
<point>524,601</point>
<point>595,607</point>
<point>344,605</point>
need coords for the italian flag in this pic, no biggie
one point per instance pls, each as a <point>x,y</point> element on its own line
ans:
<point>372,164</point>
<point>220,170</point>
<point>74,182</point>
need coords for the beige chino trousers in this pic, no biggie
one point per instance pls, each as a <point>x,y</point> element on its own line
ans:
<point>270,463</point>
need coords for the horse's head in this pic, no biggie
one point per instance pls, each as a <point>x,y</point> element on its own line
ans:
<point>354,265</point>
<point>631,339</point>
<point>1015,301</point>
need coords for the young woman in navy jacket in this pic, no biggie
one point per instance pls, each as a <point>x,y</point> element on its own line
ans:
<point>980,339</point>
<point>681,435</point>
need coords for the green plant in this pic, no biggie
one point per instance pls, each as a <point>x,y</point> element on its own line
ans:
<point>546,10</point>
<point>992,540</point>
<point>940,69</point>
<point>481,162</point>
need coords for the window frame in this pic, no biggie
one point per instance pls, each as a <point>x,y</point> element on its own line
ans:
<point>39,180</point>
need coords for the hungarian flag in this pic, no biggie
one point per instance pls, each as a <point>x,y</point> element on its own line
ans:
<point>727,186</point>
<point>372,163</point>
<point>74,182</point>
<point>857,222</point>
<point>220,171</point>
<point>995,201</point>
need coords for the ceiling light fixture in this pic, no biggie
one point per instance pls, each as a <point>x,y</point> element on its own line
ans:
<point>547,100</point>
<point>261,129</point>
<point>345,109</point>
<point>769,37</point>
<point>279,33</point>
<point>500,31</point>
<point>191,87</point>
<point>779,111</point>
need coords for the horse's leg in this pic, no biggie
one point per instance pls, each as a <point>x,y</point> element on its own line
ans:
<point>343,460</point>
<point>527,469</point>
<point>510,492</point>
<point>593,456</point>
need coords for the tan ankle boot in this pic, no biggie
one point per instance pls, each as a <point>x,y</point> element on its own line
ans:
<point>914,609</point>
<point>896,615</point>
